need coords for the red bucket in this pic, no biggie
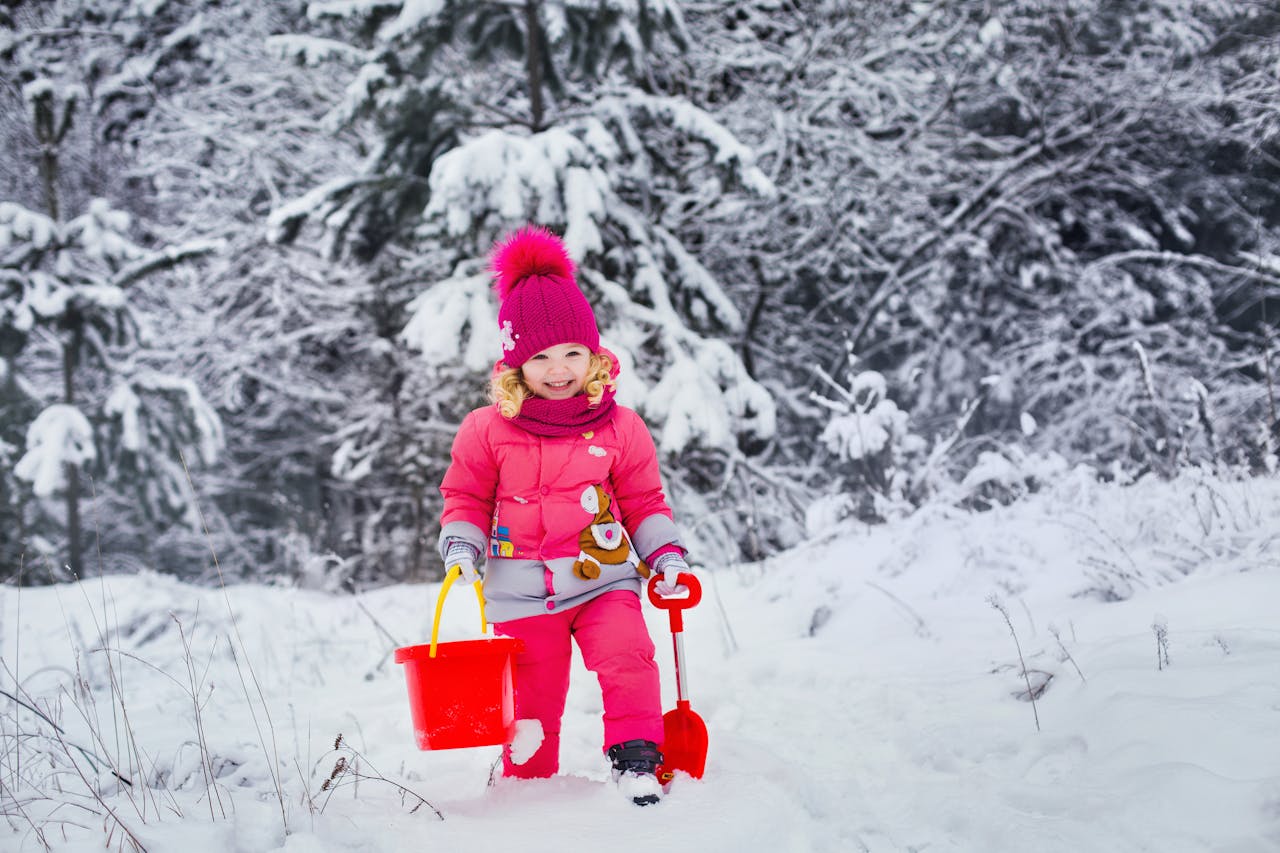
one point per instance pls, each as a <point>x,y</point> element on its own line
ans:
<point>461,693</point>
<point>465,695</point>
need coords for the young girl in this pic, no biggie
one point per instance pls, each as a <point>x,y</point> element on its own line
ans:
<point>559,487</point>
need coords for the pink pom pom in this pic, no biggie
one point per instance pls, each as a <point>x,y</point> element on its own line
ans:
<point>532,250</point>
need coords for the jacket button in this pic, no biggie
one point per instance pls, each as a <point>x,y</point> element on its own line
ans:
<point>551,605</point>
<point>546,490</point>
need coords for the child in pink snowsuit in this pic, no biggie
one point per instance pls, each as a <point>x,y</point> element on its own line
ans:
<point>558,486</point>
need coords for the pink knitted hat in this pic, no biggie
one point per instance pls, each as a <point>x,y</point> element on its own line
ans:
<point>541,305</point>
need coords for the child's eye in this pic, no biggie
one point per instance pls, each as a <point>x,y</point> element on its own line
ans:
<point>540,357</point>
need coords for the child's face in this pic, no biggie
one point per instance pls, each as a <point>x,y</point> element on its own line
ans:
<point>557,372</point>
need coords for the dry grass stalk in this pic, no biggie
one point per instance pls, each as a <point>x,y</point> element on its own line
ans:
<point>1161,630</point>
<point>351,767</point>
<point>114,744</point>
<point>193,690</point>
<point>121,726</point>
<point>129,834</point>
<point>8,795</point>
<point>1066,654</point>
<point>1031,693</point>
<point>273,752</point>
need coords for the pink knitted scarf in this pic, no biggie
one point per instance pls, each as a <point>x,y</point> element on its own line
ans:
<point>564,417</point>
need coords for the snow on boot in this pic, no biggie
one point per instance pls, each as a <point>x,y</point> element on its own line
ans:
<point>635,766</point>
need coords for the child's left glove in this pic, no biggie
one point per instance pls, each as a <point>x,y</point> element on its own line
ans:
<point>461,553</point>
<point>669,564</point>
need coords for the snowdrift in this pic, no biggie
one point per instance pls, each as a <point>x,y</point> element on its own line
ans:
<point>865,692</point>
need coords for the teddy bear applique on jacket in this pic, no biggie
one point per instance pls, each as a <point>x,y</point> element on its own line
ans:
<point>603,541</point>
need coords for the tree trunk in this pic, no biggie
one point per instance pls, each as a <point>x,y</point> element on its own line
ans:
<point>417,557</point>
<point>48,177</point>
<point>533,63</point>
<point>70,356</point>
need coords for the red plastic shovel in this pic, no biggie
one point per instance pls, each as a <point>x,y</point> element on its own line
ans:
<point>684,744</point>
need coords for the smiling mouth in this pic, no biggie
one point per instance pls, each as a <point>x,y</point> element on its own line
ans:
<point>559,386</point>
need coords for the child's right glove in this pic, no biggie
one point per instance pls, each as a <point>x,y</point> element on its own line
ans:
<point>461,553</point>
<point>669,563</point>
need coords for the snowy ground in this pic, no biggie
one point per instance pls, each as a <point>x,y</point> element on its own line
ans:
<point>860,695</point>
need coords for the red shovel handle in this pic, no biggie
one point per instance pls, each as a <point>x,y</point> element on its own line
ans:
<point>676,603</point>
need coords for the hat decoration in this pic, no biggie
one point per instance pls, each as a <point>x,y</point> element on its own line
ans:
<point>540,302</point>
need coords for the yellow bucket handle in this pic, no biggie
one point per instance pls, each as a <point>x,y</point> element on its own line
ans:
<point>449,577</point>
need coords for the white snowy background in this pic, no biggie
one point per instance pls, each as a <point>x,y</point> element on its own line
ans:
<point>1064,228</point>
<point>861,693</point>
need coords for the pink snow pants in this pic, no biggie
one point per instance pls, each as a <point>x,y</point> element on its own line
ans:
<point>615,645</point>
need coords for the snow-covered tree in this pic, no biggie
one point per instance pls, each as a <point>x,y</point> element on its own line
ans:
<point>1049,214</point>
<point>283,338</point>
<point>868,441</point>
<point>1035,192</point>
<point>82,356</point>
<point>77,353</point>
<point>1110,222</point>
<point>216,127</point>
<point>492,115</point>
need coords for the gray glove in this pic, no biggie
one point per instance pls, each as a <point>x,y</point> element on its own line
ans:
<point>461,553</point>
<point>670,565</point>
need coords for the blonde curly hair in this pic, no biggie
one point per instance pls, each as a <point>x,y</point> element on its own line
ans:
<point>507,387</point>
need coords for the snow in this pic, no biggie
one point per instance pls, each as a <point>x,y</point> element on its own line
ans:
<point>59,436</point>
<point>584,206</point>
<point>148,8</point>
<point>41,87</point>
<point>139,70</point>
<point>865,420</point>
<point>347,8</point>
<point>413,14</point>
<point>348,464</point>
<point>18,222</point>
<point>449,312</point>
<point>858,435</point>
<point>166,256</point>
<point>369,79</point>
<point>498,171</point>
<point>990,467</point>
<point>311,49</point>
<point>279,220</point>
<point>696,123</point>
<point>46,297</point>
<point>124,404</point>
<point>991,33</point>
<point>682,402</point>
<point>100,231</point>
<point>695,274</point>
<point>825,513</point>
<point>528,737</point>
<point>860,693</point>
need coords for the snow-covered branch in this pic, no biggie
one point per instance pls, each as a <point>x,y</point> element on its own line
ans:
<point>169,257</point>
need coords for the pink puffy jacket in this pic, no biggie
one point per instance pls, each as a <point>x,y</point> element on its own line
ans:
<point>523,500</point>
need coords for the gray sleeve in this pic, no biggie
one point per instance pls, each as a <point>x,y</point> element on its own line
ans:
<point>654,532</point>
<point>467,532</point>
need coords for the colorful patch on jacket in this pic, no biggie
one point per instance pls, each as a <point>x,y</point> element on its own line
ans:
<point>500,540</point>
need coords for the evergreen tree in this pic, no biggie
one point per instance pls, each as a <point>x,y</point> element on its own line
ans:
<point>279,334</point>
<point>1026,228</point>
<point>75,350</point>
<point>65,309</point>
<point>492,115</point>
<point>1044,224</point>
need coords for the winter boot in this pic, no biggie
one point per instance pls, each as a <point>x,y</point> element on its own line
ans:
<point>635,766</point>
